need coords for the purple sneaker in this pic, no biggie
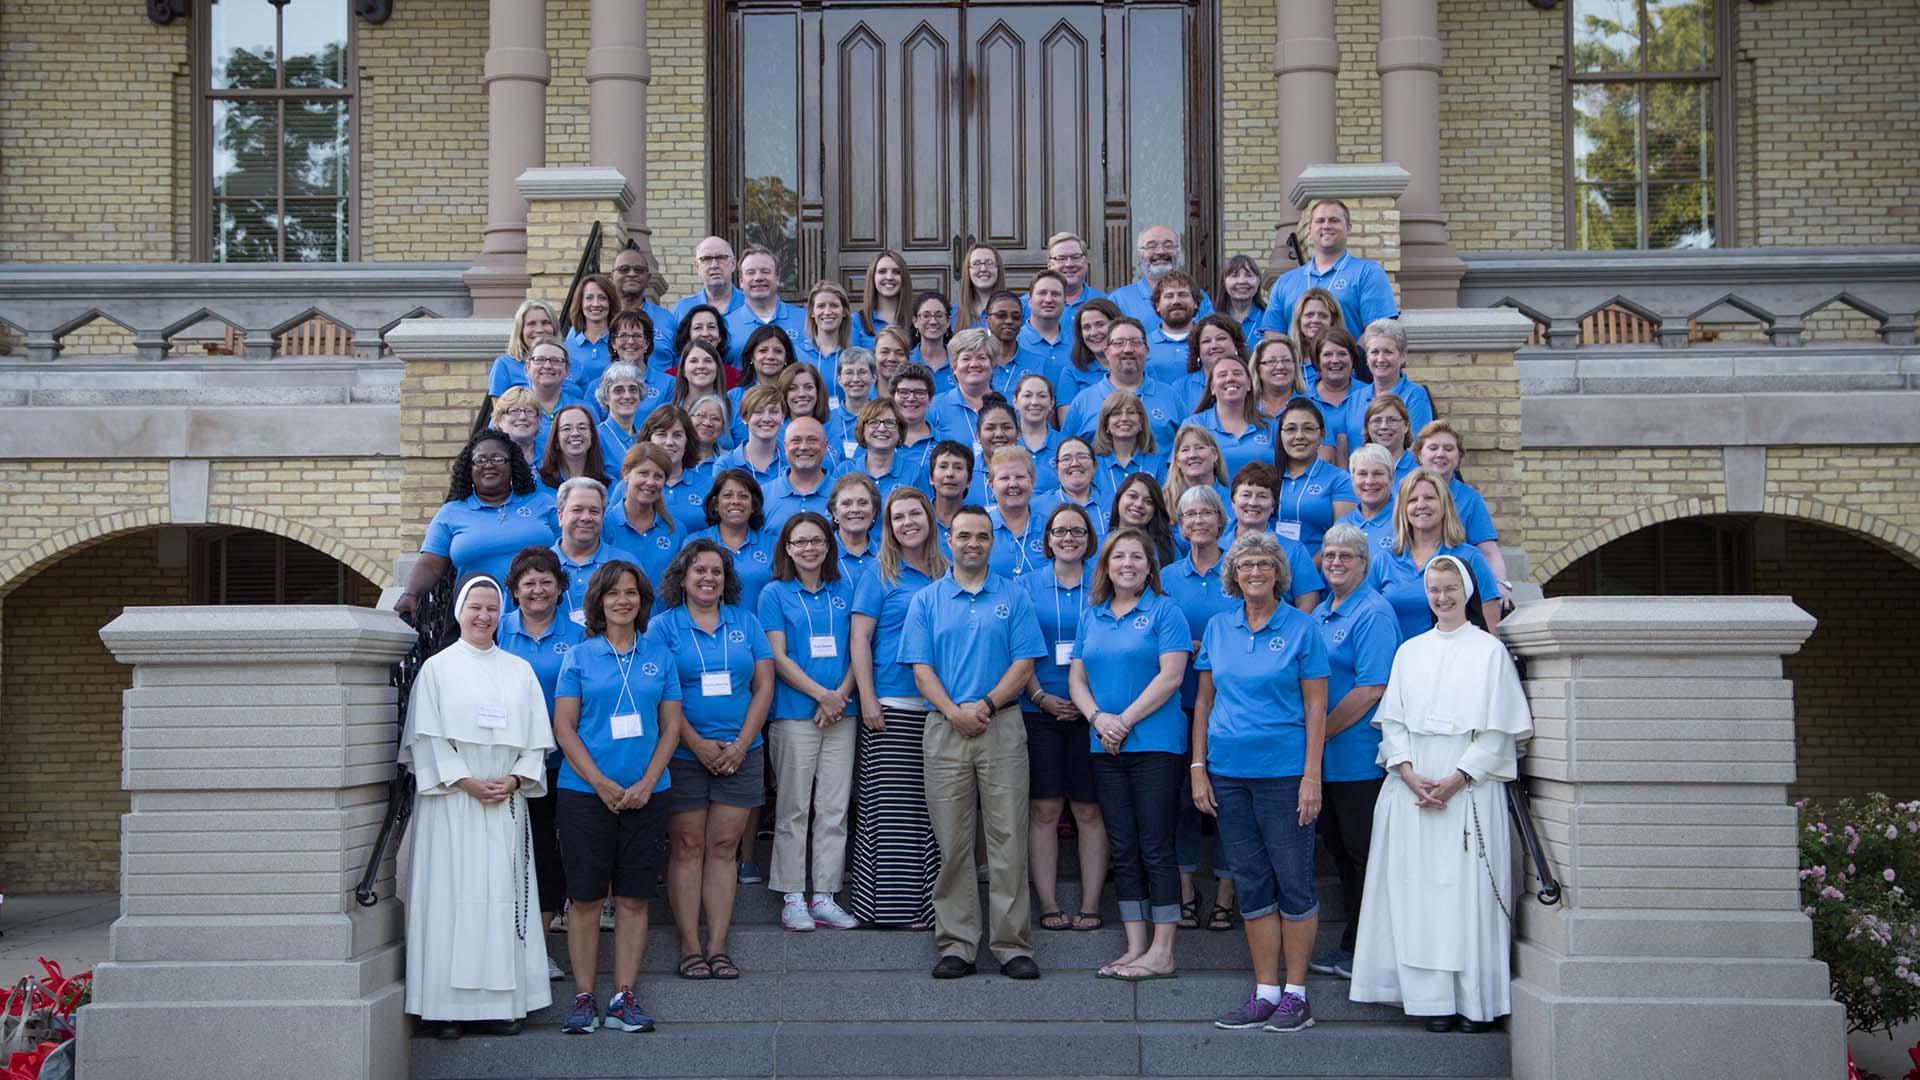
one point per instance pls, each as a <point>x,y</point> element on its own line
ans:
<point>1291,1014</point>
<point>1255,1012</point>
<point>585,1017</point>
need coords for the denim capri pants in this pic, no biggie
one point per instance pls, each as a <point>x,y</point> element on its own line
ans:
<point>1270,852</point>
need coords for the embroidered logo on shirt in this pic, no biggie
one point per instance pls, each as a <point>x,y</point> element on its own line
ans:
<point>526,511</point>
<point>649,669</point>
<point>1140,622</point>
<point>759,556</point>
<point>737,636</point>
<point>1260,438</point>
<point>662,542</point>
<point>560,646</point>
<point>1314,489</point>
<point>839,604</point>
<point>1158,414</point>
<point>1275,644</point>
<point>1338,284</point>
<point>1001,611</point>
<point>1340,635</point>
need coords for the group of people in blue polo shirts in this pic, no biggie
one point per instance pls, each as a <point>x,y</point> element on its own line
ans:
<point>1115,551</point>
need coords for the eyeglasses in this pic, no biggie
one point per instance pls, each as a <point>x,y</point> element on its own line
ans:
<point>909,392</point>
<point>547,361</point>
<point>1067,532</point>
<point>490,459</point>
<point>881,425</point>
<point>1160,245</point>
<point>630,335</point>
<point>521,412</point>
<point>1267,565</point>
<point>1076,257</point>
<point>1132,342</point>
<point>1334,555</point>
<point>710,260</point>
<point>983,264</point>
<point>926,316</point>
<point>806,542</point>
<point>624,270</point>
<point>1072,459</point>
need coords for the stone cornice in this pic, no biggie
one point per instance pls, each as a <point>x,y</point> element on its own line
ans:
<point>576,183</point>
<point>1348,181</point>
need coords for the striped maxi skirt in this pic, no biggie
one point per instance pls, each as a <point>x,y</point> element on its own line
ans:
<point>895,859</point>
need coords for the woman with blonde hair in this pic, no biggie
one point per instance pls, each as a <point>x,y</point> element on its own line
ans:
<point>829,312</point>
<point>1426,526</point>
<point>534,320</point>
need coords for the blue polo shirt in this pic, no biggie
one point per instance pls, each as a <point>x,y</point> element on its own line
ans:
<point>752,563</point>
<point>803,615</point>
<point>1257,728</point>
<point>736,644</point>
<point>587,361</point>
<point>1109,473</point>
<point>951,417</point>
<point>782,501</point>
<point>736,458</point>
<point>1419,403</point>
<point>1403,465</point>
<point>971,638</point>
<point>608,684</point>
<point>1308,499</point>
<point>1349,418</point>
<point>1361,637</point>
<point>1017,555</point>
<point>1305,575</point>
<point>665,326</point>
<point>843,430</point>
<point>1167,356</point>
<point>1121,655</point>
<point>1166,408</point>
<point>1069,380</point>
<point>887,606</point>
<point>1045,478</point>
<point>1379,529</point>
<point>1405,587</point>
<point>505,374</point>
<point>1037,354</point>
<point>854,566</point>
<point>865,329</point>
<point>906,469</point>
<point>477,538</point>
<point>573,605</point>
<point>1238,451</point>
<point>942,375</point>
<point>688,498</point>
<point>652,549</point>
<point>1135,298</point>
<point>1099,506</point>
<point>1057,609</point>
<point>1201,597</point>
<point>1250,326</point>
<point>685,304</point>
<point>1359,285</point>
<point>543,653</point>
<point>742,322</point>
<point>1474,517</point>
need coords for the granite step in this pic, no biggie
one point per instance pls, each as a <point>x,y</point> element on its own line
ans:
<point>965,1048</point>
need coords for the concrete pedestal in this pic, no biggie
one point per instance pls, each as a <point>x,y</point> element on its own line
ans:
<point>563,203</point>
<point>1663,747</point>
<point>259,742</point>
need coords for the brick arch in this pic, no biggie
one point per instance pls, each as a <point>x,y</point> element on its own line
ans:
<point>1902,542</point>
<point>18,569</point>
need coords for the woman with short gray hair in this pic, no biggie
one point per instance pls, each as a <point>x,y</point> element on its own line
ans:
<point>1383,346</point>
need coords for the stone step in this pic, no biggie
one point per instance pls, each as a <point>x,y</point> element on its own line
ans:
<point>965,1048</point>
<point>764,948</point>
<point>759,904</point>
<point>914,995</point>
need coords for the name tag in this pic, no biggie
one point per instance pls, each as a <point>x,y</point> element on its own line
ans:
<point>1063,653</point>
<point>833,401</point>
<point>822,647</point>
<point>1288,529</point>
<point>627,726</point>
<point>848,448</point>
<point>579,616</point>
<point>490,716</point>
<point>716,684</point>
<point>976,449</point>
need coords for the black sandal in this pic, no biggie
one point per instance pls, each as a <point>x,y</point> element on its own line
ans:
<point>1220,918</point>
<point>1088,920</point>
<point>723,966</point>
<point>1190,914</point>
<point>694,966</point>
<point>1055,920</point>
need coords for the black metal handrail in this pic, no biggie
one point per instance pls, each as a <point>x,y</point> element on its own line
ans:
<point>589,264</point>
<point>431,620</point>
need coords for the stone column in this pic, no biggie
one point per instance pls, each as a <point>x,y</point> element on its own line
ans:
<point>1659,768</point>
<point>259,742</point>
<point>1306,58</point>
<point>442,384</point>
<point>517,72</point>
<point>618,72</point>
<point>563,203</point>
<point>1409,64</point>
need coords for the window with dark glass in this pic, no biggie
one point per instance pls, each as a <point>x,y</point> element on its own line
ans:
<point>277,102</point>
<point>1648,108</point>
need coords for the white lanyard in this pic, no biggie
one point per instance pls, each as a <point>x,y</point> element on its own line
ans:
<point>1062,656</point>
<point>625,665</point>
<point>726,656</point>
<point>1020,542</point>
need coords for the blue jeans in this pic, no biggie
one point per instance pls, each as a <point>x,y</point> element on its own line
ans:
<point>1270,851</point>
<point>1138,795</point>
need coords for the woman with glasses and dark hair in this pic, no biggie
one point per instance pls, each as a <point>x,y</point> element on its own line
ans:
<point>807,613</point>
<point>494,508</point>
<point>932,325</point>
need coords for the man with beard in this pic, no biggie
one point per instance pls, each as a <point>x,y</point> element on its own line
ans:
<point>1360,285</point>
<point>632,276</point>
<point>1167,343</point>
<point>1159,251</point>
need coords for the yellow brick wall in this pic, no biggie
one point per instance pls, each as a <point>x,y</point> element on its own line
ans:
<point>436,412</point>
<point>1253,196</point>
<point>88,128</point>
<point>567,40</point>
<point>1500,120</point>
<point>1356,26</point>
<point>423,131</point>
<point>1835,90</point>
<point>677,163</point>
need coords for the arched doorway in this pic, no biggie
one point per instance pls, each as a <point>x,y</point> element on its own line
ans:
<point>1856,728</point>
<point>60,736</point>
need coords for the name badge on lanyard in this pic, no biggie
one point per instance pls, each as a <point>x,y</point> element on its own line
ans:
<point>716,684</point>
<point>1288,529</point>
<point>822,647</point>
<point>490,716</point>
<point>627,726</point>
<point>848,448</point>
<point>579,616</point>
<point>1063,653</point>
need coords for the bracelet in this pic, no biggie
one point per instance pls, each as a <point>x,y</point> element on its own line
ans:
<point>1310,780</point>
<point>1198,765</point>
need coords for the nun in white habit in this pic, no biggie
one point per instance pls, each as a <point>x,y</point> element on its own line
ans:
<point>1436,918</point>
<point>476,739</point>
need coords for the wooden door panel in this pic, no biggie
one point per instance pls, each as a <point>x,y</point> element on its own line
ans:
<point>929,123</point>
<point>999,137</point>
<point>860,145</point>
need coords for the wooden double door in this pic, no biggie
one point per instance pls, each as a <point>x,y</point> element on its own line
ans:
<point>924,128</point>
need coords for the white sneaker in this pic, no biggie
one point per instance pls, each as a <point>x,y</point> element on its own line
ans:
<point>606,914</point>
<point>830,915</point>
<point>795,916</point>
<point>554,974</point>
<point>560,919</point>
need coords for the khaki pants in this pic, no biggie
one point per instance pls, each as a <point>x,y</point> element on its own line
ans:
<point>992,766</point>
<point>813,770</point>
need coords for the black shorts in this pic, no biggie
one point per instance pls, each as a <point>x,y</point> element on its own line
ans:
<point>694,788</point>
<point>1059,759</point>
<point>599,847</point>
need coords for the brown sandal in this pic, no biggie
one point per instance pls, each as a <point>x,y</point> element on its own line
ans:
<point>1088,920</point>
<point>723,966</point>
<point>1056,920</point>
<point>694,966</point>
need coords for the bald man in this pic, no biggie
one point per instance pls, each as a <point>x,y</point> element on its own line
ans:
<point>1157,251</point>
<point>804,486</point>
<point>713,269</point>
